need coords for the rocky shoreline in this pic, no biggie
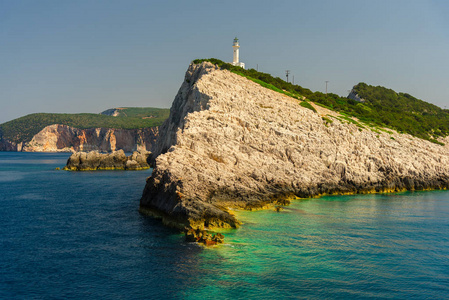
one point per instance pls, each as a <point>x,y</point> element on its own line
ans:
<point>231,144</point>
<point>117,160</point>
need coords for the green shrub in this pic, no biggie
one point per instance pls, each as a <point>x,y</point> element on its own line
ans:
<point>306,104</point>
<point>327,120</point>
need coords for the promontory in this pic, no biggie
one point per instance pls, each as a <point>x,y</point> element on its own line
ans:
<point>230,143</point>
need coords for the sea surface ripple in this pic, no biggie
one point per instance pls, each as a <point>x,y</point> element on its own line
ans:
<point>79,235</point>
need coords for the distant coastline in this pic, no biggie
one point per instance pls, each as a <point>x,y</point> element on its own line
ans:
<point>127,128</point>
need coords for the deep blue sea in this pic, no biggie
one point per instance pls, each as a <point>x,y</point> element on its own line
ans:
<point>79,235</point>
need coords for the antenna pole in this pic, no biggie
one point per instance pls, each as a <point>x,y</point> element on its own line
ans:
<point>286,73</point>
<point>326,86</point>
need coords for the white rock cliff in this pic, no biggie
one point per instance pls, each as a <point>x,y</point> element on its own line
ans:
<point>63,138</point>
<point>230,143</point>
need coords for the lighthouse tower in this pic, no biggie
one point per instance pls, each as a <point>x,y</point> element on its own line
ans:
<point>236,47</point>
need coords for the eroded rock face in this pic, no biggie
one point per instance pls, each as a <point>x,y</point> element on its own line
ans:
<point>117,160</point>
<point>62,138</point>
<point>6,145</point>
<point>230,143</point>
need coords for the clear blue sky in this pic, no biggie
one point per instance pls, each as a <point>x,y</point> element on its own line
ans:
<point>87,56</point>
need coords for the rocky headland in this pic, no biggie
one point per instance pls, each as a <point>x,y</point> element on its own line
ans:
<point>117,160</point>
<point>231,144</point>
<point>63,138</point>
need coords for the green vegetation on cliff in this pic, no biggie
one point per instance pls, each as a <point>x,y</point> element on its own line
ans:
<point>382,107</point>
<point>24,128</point>
<point>402,112</point>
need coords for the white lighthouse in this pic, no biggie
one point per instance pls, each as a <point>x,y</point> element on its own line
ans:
<point>236,47</point>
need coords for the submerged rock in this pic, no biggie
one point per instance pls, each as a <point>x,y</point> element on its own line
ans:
<point>278,208</point>
<point>117,160</point>
<point>230,143</point>
<point>204,237</point>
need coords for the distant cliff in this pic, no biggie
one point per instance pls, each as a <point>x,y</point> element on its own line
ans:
<point>231,143</point>
<point>6,145</point>
<point>114,112</point>
<point>128,128</point>
<point>138,112</point>
<point>62,138</point>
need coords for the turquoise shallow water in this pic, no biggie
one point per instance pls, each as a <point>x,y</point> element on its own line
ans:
<point>79,236</point>
<point>371,246</point>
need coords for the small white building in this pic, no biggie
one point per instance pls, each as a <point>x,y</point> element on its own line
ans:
<point>236,47</point>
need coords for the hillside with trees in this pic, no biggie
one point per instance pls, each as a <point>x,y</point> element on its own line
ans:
<point>24,128</point>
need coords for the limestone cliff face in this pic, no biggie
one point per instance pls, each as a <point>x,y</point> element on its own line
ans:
<point>6,145</point>
<point>230,143</point>
<point>62,138</point>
